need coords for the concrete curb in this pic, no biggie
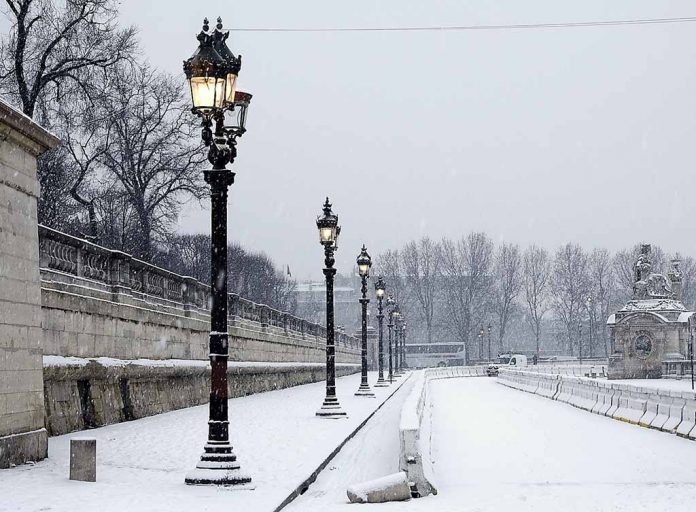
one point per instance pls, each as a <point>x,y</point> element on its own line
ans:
<point>300,489</point>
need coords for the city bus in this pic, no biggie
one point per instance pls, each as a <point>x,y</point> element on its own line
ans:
<point>427,355</point>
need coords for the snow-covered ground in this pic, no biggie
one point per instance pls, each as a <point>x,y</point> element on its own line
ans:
<point>667,384</point>
<point>499,449</point>
<point>141,464</point>
<point>372,453</point>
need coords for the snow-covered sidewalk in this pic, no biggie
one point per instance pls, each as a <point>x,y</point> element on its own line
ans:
<point>141,464</point>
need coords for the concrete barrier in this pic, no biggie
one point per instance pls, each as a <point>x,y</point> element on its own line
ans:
<point>651,407</point>
<point>631,407</point>
<point>604,396</point>
<point>414,427</point>
<point>414,452</point>
<point>688,422</point>
<point>668,411</point>
<point>675,413</point>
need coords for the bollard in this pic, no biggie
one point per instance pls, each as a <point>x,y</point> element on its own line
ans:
<point>83,459</point>
<point>388,488</point>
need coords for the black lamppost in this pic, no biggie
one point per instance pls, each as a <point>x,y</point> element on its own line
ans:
<point>691,354</point>
<point>397,345</point>
<point>379,291</point>
<point>580,341</point>
<point>390,327</point>
<point>490,337</point>
<point>364,263</point>
<point>590,311</point>
<point>404,364</point>
<point>212,75</point>
<point>328,237</point>
<point>480,343</point>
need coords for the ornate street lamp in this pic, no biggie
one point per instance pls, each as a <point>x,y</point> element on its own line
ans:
<point>480,343</point>
<point>328,237</point>
<point>490,336</point>
<point>404,365</point>
<point>390,326</point>
<point>379,291</point>
<point>364,263</point>
<point>208,72</point>
<point>398,331</point>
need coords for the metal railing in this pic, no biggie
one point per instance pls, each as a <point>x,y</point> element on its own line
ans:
<point>122,273</point>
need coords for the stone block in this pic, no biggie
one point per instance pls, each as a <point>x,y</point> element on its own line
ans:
<point>83,459</point>
<point>381,490</point>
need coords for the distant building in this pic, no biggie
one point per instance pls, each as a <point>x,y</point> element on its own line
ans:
<point>311,303</point>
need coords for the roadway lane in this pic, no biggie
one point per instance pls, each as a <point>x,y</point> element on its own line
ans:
<point>498,448</point>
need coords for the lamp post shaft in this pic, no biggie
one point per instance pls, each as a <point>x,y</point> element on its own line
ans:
<point>218,464</point>
<point>364,389</point>
<point>398,350</point>
<point>218,425</point>
<point>380,343</point>
<point>329,273</point>
<point>330,407</point>
<point>390,326</point>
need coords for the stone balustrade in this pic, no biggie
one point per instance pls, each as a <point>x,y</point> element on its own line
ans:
<point>69,263</point>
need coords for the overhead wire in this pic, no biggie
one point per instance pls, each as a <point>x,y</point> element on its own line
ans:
<point>453,28</point>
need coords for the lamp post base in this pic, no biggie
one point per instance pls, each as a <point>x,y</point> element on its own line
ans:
<point>218,466</point>
<point>331,409</point>
<point>364,390</point>
<point>381,384</point>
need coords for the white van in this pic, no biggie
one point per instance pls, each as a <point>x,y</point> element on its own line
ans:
<point>513,361</point>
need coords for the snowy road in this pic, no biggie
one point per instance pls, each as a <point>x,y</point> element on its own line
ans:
<point>499,449</point>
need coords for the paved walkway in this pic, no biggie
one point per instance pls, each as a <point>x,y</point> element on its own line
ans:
<point>141,464</point>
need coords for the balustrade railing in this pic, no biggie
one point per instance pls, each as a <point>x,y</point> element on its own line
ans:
<point>122,273</point>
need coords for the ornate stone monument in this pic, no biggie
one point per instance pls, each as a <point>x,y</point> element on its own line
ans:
<point>652,327</point>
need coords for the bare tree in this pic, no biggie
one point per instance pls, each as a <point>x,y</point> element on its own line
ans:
<point>507,285</point>
<point>536,276</point>
<point>389,266</point>
<point>151,151</point>
<point>53,43</point>
<point>688,270</point>
<point>465,270</point>
<point>601,292</point>
<point>569,286</point>
<point>421,265</point>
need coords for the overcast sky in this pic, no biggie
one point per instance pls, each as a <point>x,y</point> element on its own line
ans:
<point>579,134</point>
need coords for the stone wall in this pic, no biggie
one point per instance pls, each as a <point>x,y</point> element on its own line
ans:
<point>82,394</point>
<point>22,436</point>
<point>90,309</point>
<point>87,322</point>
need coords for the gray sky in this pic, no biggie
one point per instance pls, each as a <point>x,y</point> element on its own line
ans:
<point>546,136</point>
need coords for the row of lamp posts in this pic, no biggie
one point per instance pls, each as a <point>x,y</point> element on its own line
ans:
<point>329,230</point>
<point>212,73</point>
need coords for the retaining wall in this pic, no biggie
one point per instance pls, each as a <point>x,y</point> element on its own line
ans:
<point>669,411</point>
<point>80,393</point>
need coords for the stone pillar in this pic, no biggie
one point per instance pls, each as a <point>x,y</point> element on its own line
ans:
<point>22,434</point>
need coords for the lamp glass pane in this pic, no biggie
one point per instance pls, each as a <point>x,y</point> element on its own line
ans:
<point>327,234</point>
<point>380,293</point>
<point>207,91</point>
<point>363,269</point>
<point>230,88</point>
